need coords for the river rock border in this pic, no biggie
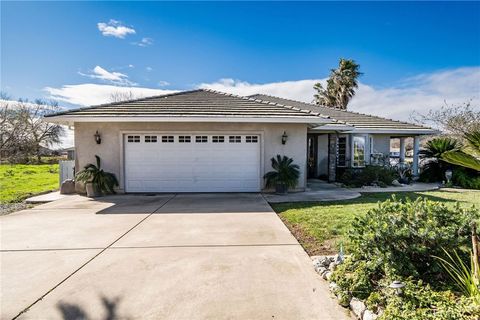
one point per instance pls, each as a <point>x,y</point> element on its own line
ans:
<point>324,266</point>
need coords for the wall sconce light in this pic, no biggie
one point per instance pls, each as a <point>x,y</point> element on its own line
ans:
<point>284,137</point>
<point>98,138</point>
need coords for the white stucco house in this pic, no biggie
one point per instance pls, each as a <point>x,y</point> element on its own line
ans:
<point>208,141</point>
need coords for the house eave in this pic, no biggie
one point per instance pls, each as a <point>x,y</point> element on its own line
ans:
<point>70,120</point>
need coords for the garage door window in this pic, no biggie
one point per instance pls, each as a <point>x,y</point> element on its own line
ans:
<point>251,139</point>
<point>218,139</point>
<point>133,138</point>
<point>234,139</point>
<point>168,139</point>
<point>201,139</point>
<point>184,139</point>
<point>150,139</point>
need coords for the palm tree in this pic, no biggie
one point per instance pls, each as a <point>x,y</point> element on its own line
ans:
<point>469,157</point>
<point>341,85</point>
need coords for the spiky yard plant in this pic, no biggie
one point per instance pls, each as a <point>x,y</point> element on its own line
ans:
<point>465,277</point>
<point>285,172</point>
<point>468,157</point>
<point>102,180</point>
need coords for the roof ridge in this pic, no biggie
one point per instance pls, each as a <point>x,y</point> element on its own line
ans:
<point>270,102</point>
<point>346,111</point>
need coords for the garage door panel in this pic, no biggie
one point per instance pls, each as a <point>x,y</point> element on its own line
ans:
<point>191,167</point>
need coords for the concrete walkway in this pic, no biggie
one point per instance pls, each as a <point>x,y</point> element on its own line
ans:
<point>47,197</point>
<point>318,190</point>
<point>188,256</point>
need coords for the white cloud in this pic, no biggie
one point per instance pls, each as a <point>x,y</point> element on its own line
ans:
<point>421,93</point>
<point>108,76</point>
<point>91,94</point>
<point>114,28</point>
<point>145,42</point>
<point>163,83</point>
<point>149,69</point>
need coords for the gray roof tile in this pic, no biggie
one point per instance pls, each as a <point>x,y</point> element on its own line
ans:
<point>354,119</point>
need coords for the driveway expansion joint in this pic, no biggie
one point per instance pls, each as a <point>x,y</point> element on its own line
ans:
<point>91,259</point>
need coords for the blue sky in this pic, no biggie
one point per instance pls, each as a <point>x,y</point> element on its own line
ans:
<point>76,51</point>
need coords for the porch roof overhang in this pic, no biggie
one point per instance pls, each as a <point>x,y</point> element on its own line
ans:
<point>392,131</point>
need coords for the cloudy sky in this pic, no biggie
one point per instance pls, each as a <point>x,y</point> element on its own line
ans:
<point>414,56</point>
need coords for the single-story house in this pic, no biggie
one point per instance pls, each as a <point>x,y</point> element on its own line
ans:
<point>208,141</point>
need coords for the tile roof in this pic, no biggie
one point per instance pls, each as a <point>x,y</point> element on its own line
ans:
<point>200,103</point>
<point>349,118</point>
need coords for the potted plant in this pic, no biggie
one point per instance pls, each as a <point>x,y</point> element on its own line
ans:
<point>97,181</point>
<point>284,175</point>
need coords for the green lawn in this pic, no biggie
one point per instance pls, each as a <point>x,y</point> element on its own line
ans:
<point>321,226</point>
<point>20,181</point>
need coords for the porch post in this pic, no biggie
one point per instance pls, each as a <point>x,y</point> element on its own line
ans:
<point>332,157</point>
<point>402,150</point>
<point>416,148</point>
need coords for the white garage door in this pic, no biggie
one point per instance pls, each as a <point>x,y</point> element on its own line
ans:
<point>163,162</point>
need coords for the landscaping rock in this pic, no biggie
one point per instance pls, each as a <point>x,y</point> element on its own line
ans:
<point>321,270</point>
<point>80,187</point>
<point>67,187</point>
<point>327,275</point>
<point>369,315</point>
<point>358,307</point>
<point>332,266</point>
<point>333,286</point>
<point>396,183</point>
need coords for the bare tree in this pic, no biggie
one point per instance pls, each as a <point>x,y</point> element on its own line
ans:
<point>119,96</point>
<point>23,130</point>
<point>452,119</point>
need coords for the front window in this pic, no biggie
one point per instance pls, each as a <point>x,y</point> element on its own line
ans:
<point>358,151</point>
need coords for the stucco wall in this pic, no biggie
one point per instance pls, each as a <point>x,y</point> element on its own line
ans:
<point>112,158</point>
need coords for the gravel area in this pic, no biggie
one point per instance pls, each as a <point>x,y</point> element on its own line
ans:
<point>6,208</point>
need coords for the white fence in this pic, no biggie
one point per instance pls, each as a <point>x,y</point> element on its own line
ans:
<point>66,170</point>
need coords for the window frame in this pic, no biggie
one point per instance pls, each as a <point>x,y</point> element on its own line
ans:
<point>359,163</point>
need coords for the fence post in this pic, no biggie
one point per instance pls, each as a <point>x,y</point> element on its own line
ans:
<point>475,246</point>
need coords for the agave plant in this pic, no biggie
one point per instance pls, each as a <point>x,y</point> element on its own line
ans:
<point>285,174</point>
<point>103,181</point>
<point>468,157</point>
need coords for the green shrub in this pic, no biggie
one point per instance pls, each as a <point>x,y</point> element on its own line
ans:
<point>405,234</point>
<point>380,175</point>
<point>397,241</point>
<point>466,178</point>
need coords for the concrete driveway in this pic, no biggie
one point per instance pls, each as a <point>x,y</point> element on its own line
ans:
<point>169,256</point>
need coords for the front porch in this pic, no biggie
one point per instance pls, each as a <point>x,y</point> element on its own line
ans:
<point>329,154</point>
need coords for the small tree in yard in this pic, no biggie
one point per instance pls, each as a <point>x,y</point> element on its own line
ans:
<point>23,130</point>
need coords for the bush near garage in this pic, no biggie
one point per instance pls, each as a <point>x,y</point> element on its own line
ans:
<point>397,241</point>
